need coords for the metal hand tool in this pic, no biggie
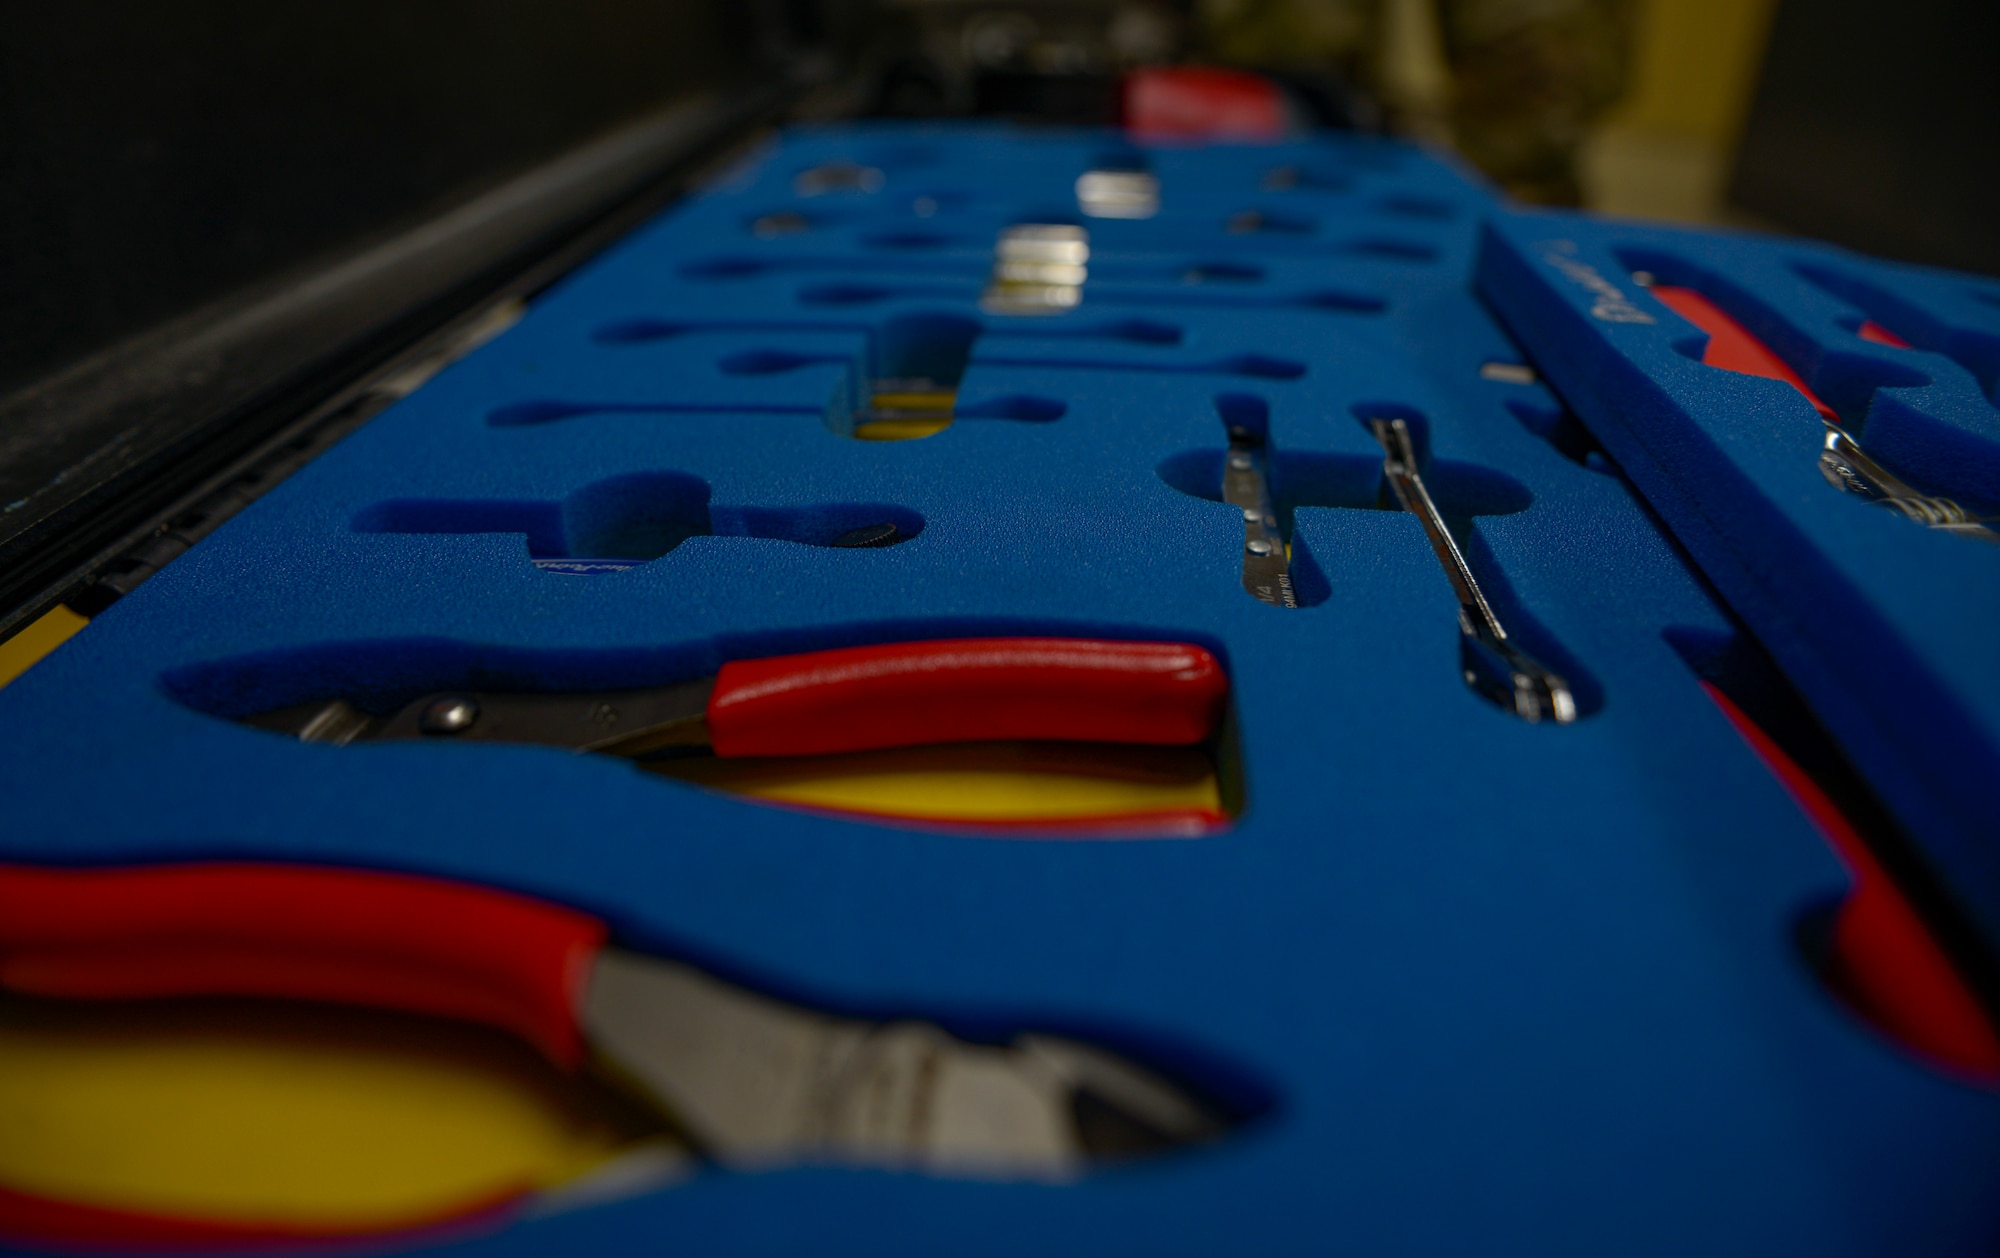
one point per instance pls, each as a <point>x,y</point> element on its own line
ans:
<point>1118,193</point>
<point>1246,485</point>
<point>749,1081</point>
<point>905,694</point>
<point>1848,468</point>
<point>1492,665</point>
<point>1038,268</point>
<point>867,537</point>
<point>1733,347</point>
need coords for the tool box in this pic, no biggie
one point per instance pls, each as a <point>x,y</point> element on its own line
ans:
<point>1454,972</point>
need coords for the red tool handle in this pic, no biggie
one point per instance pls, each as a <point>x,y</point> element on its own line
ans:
<point>307,933</point>
<point>1733,347</point>
<point>1887,960</point>
<point>972,689</point>
<point>1202,103</point>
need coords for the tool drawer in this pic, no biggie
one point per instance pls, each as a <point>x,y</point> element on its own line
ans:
<point>1242,764</point>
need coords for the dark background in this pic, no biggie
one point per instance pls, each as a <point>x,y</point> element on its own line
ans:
<point>220,219</point>
<point>1877,126</point>
<point>155,156</point>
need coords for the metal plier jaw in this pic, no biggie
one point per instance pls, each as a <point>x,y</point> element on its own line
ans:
<point>743,1079</point>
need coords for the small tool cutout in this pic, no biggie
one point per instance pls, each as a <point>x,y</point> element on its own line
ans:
<point>1492,664</point>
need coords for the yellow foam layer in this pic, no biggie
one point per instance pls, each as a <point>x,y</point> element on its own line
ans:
<point>259,1113</point>
<point>933,415</point>
<point>938,400</point>
<point>1000,781</point>
<point>25,649</point>
<point>900,429</point>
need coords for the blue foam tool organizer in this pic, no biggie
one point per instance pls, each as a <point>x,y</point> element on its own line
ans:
<point>1884,626</point>
<point>1487,987</point>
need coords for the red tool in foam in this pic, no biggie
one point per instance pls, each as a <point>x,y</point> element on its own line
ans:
<point>1874,332</point>
<point>1884,959</point>
<point>1846,466</point>
<point>1731,346</point>
<point>867,698</point>
<point>1202,103</point>
<point>745,1080</point>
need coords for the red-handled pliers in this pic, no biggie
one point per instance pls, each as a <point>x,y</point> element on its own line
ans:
<point>749,1081</point>
<point>866,698</point>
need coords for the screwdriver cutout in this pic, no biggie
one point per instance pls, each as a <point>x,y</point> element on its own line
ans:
<point>623,522</point>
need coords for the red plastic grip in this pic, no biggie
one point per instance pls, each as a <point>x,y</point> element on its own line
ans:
<point>913,694</point>
<point>1733,347</point>
<point>391,941</point>
<point>1886,960</point>
<point>1877,334</point>
<point>1202,103</point>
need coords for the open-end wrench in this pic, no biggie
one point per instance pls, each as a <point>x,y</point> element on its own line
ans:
<point>1493,666</point>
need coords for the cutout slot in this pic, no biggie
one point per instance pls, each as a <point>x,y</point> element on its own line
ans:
<point>1917,445</point>
<point>499,1051</point>
<point>1296,479</point>
<point>626,521</point>
<point>1497,664</point>
<point>1902,324</point>
<point>1892,948</point>
<point>552,410</point>
<point>1306,178</point>
<point>920,360</point>
<point>1266,222</point>
<point>1564,432</point>
<point>1029,736</point>
<point>1429,209</point>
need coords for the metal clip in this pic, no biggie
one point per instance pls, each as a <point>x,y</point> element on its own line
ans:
<point>1849,469</point>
